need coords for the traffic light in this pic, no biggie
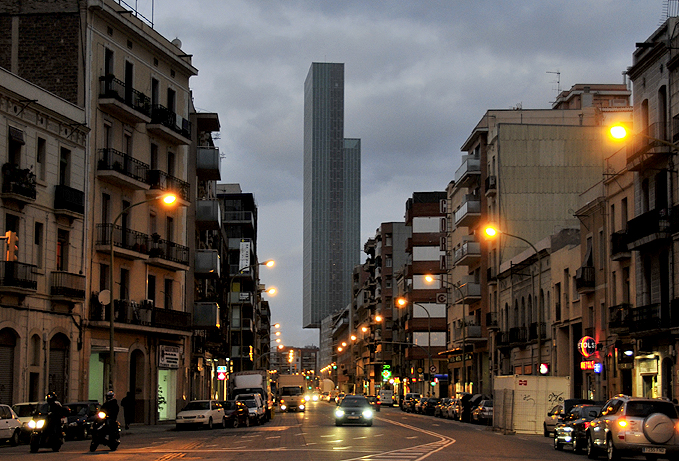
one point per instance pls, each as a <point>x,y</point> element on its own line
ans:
<point>12,246</point>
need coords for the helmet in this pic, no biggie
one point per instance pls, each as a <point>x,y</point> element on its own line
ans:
<point>110,395</point>
<point>51,397</point>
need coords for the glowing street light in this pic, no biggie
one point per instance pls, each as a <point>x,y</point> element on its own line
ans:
<point>168,199</point>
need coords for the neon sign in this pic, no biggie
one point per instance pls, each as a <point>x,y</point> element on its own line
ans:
<point>587,346</point>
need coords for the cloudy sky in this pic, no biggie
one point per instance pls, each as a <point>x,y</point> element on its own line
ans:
<point>418,77</point>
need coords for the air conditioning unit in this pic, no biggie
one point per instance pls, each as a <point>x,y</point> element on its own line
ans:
<point>146,304</point>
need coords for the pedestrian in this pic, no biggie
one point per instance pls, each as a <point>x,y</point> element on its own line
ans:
<point>128,405</point>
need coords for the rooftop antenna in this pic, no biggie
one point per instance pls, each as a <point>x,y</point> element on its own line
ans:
<point>558,83</point>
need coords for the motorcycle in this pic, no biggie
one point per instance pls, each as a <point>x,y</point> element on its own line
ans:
<point>105,432</point>
<point>46,431</point>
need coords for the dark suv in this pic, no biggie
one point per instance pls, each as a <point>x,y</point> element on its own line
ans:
<point>634,426</point>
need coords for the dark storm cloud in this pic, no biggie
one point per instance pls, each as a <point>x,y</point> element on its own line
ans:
<point>418,77</point>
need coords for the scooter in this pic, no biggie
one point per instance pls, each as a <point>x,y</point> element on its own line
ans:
<point>45,432</point>
<point>105,432</point>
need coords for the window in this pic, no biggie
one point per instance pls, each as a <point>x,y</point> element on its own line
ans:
<point>15,141</point>
<point>388,240</point>
<point>171,100</point>
<point>62,250</point>
<point>103,277</point>
<point>40,158</point>
<point>623,213</point>
<point>105,208</point>
<point>154,156</point>
<point>151,288</point>
<point>168,293</point>
<point>170,163</point>
<point>612,221</point>
<point>155,92</point>
<point>124,283</point>
<point>38,241</point>
<point>169,232</point>
<point>64,167</point>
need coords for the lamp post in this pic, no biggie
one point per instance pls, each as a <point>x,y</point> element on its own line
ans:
<point>268,263</point>
<point>430,279</point>
<point>402,302</point>
<point>168,199</point>
<point>492,232</point>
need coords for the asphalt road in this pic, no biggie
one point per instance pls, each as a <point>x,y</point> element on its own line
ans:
<point>312,435</point>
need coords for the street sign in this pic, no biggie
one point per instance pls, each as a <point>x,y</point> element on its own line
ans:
<point>432,368</point>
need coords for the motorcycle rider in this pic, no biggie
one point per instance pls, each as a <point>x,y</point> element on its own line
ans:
<point>54,413</point>
<point>110,406</point>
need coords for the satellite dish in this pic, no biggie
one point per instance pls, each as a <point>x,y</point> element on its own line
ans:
<point>104,297</point>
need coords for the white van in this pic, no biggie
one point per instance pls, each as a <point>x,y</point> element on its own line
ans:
<point>255,407</point>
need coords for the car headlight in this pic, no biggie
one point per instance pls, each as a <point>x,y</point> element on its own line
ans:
<point>301,407</point>
<point>179,417</point>
<point>339,413</point>
<point>367,414</point>
<point>283,407</point>
<point>200,417</point>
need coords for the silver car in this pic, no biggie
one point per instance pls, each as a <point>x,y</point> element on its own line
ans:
<point>634,426</point>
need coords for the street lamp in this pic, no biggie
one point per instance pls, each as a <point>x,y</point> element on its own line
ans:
<point>430,279</point>
<point>402,302</point>
<point>492,232</point>
<point>167,199</point>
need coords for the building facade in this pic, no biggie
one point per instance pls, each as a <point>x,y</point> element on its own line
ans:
<point>332,196</point>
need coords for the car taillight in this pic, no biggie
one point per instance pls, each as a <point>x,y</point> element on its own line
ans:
<point>622,423</point>
<point>586,424</point>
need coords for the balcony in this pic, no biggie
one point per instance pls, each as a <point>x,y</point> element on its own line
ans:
<point>619,250</point>
<point>468,333</point>
<point>144,318</point>
<point>120,169</point>
<point>468,254</point>
<point>647,228</point>
<point>123,101</point>
<point>491,276</point>
<point>16,277</point>
<point>238,218</point>
<point>584,279</point>
<point>169,126</point>
<point>206,316</point>
<point>619,318</point>
<point>18,184</point>
<point>207,164</point>
<point>468,292</point>
<point>67,286</point>
<point>69,202</point>
<point>127,243</point>
<point>491,186</point>
<point>469,172</point>
<point>643,151</point>
<point>469,212</point>
<point>167,254</point>
<point>207,264</point>
<point>518,336</point>
<point>208,215</point>
<point>241,297</point>
<point>242,325</point>
<point>161,181</point>
<point>653,318</point>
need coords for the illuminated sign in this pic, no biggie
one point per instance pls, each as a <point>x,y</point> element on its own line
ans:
<point>587,346</point>
<point>591,365</point>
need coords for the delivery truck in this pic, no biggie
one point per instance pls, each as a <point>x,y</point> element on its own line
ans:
<point>291,392</point>
<point>253,382</point>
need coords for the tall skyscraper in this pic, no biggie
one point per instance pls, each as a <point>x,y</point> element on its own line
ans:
<point>332,196</point>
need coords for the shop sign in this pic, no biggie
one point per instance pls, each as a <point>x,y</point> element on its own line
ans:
<point>587,346</point>
<point>591,365</point>
<point>169,356</point>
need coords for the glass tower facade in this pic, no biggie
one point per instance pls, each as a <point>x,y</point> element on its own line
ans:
<point>332,196</point>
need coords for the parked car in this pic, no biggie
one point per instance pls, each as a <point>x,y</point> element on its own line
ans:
<point>25,411</point>
<point>374,401</point>
<point>467,403</point>
<point>573,430</point>
<point>10,426</point>
<point>428,405</point>
<point>483,412</point>
<point>451,409</point>
<point>440,408</point>
<point>556,413</point>
<point>408,402</point>
<point>255,407</point>
<point>204,413</point>
<point>236,413</point>
<point>354,409</point>
<point>418,404</point>
<point>339,397</point>
<point>634,426</point>
<point>80,417</point>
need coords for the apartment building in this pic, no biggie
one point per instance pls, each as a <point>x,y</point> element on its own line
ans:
<point>42,283</point>
<point>523,170</point>
<point>133,84</point>
<point>420,317</point>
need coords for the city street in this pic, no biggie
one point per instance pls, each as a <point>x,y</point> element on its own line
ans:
<point>313,436</point>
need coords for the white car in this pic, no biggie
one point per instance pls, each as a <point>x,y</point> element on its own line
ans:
<point>205,413</point>
<point>24,411</point>
<point>10,426</point>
